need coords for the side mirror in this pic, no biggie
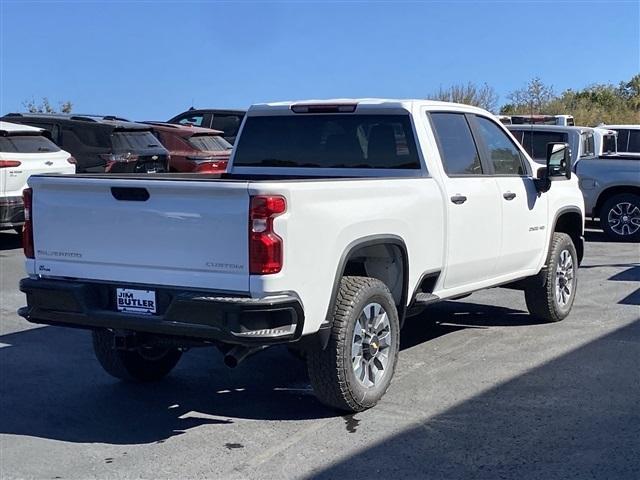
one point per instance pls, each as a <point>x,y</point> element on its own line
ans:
<point>558,160</point>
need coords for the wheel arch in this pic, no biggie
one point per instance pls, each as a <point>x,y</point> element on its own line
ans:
<point>609,192</point>
<point>352,263</point>
<point>570,220</point>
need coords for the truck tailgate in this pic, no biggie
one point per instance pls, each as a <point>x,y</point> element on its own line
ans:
<point>186,233</point>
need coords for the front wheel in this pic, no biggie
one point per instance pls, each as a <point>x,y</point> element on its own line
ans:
<point>551,299</point>
<point>356,368</point>
<point>620,217</point>
<point>145,364</point>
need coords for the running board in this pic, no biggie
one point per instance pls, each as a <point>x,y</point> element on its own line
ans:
<point>426,298</point>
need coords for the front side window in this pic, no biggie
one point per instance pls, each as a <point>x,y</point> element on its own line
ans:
<point>27,144</point>
<point>328,141</point>
<point>457,148</point>
<point>503,153</point>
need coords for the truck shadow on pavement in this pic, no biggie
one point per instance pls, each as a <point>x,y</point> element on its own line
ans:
<point>53,387</point>
<point>9,240</point>
<point>576,416</point>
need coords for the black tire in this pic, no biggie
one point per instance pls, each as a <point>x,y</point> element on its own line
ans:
<point>542,299</point>
<point>628,227</point>
<point>330,370</point>
<point>142,365</point>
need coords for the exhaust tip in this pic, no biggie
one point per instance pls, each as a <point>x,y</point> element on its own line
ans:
<point>231,361</point>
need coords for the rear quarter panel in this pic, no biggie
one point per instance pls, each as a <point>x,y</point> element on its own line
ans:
<point>324,217</point>
<point>597,175</point>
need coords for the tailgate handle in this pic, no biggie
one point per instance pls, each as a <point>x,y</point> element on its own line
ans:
<point>130,194</point>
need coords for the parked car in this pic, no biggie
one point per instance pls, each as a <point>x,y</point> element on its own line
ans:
<point>25,151</point>
<point>610,181</point>
<point>628,137</point>
<point>228,121</point>
<point>101,143</point>
<point>193,149</point>
<point>370,210</point>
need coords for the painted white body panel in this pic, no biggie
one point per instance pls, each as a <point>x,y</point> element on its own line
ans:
<point>186,225</point>
<point>13,180</point>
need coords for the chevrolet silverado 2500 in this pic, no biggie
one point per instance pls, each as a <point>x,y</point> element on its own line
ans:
<point>325,236</point>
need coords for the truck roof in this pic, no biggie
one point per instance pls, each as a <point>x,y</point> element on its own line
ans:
<point>557,128</point>
<point>363,103</point>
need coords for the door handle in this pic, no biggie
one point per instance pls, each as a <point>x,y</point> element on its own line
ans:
<point>509,195</point>
<point>458,199</point>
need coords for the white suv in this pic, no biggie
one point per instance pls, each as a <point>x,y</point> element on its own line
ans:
<point>25,151</point>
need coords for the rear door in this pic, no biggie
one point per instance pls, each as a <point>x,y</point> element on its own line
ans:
<point>473,207</point>
<point>152,231</point>
<point>524,211</point>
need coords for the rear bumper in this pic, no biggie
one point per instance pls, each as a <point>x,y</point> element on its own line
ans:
<point>197,315</point>
<point>11,212</point>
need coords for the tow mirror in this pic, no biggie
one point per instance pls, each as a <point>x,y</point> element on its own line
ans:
<point>558,160</point>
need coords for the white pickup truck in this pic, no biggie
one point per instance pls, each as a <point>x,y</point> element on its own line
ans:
<point>337,220</point>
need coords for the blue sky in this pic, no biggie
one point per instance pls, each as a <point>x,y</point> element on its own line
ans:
<point>153,59</point>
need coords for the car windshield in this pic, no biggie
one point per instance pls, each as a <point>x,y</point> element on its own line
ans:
<point>209,143</point>
<point>134,140</point>
<point>328,141</point>
<point>27,144</point>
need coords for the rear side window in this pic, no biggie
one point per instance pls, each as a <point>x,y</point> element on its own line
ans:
<point>623,140</point>
<point>609,144</point>
<point>328,141</point>
<point>535,142</point>
<point>229,124</point>
<point>503,153</point>
<point>457,147</point>
<point>195,119</point>
<point>126,141</point>
<point>634,141</point>
<point>27,144</point>
<point>210,143</point>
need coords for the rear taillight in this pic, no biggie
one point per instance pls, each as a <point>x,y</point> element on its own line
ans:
<point>72,160</point>
<point>9,163</point>
<point>265,246</point>
<point>27,231</point>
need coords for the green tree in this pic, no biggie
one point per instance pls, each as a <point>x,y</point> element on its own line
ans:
<point>533,98</point>
<point>483,96</point>
<point>45,106</point>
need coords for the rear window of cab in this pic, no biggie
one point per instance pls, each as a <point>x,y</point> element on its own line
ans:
<point>27,144</point>
<point>328,141</point>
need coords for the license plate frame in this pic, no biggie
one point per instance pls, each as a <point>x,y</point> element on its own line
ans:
<point>132,300</point>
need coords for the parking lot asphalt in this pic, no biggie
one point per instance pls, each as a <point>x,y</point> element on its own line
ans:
<point>481,391</point>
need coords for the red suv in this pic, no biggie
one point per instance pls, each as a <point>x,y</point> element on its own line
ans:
<point>193,149</point>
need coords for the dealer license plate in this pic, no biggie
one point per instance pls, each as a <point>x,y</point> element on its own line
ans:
<point>136,301</point>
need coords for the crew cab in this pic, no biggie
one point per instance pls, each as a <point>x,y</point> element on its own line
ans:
<point>25,151</point>
<point>324,237</point>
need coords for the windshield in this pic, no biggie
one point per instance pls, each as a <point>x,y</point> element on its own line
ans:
<point>27,144</point>
<point>209,143</point>
<point>134,140</point>
<point>328,141</point>
<point>535,142</point>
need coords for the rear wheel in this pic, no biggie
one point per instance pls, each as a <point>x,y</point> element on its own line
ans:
<point>356,368</point>
<point>551,299</point>
<point>620,217</point>
<point>145,364</point>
